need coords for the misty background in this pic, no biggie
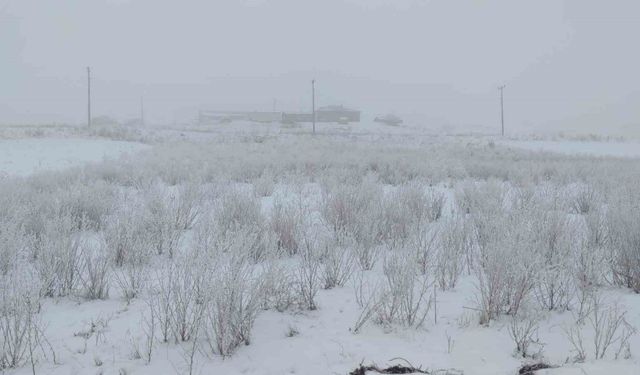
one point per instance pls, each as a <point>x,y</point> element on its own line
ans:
<point>568,65</point>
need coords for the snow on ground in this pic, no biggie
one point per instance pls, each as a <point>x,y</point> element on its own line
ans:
<point>22,157</point>
<point>616,149</point>
<point>324,343</point>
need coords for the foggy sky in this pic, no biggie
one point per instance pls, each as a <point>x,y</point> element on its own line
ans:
<point>567,64</point>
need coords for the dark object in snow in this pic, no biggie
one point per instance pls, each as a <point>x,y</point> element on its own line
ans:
<point>399,369</point>
<point>389,119</point>
<point>532,368</point>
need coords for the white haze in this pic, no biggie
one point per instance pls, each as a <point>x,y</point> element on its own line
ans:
<point>569,64</point>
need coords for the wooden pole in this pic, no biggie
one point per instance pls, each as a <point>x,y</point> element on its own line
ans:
<point>313,104</point>
<point>89,96</point>
<point>142,111</point>
<point>501,88</point>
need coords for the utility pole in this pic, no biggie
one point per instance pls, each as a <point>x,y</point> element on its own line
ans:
<point>501,88</point>
<point>89,96</point>
<point>142,111</point>
<point>313,104</point>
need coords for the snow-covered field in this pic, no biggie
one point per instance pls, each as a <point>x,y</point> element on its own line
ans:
<point>26,156</point>
<point>281,253</point>
<point>615,149</point>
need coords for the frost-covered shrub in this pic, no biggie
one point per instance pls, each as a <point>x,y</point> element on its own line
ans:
<point>609,330</point>
<point>583,199</point>
<point>624,231</point>
<point>480,199</point>
<point>161,222</point>
<point>127,236</point>
<point>279,286</point>
<point>237,210</point>
<point>264,185</point>
<point>453,252</point>
<point>127,240</point>
<point>337,266</point>
<point>343,206</point>
<point>95,271</point>
<point>86,204</point>
<point>13,243</point>
<point>505,266</point>
<point>364,244</point>
<point>285,222</point>
<point>57,257</point>
<point>178,296</point>
<point>186,204</point>
<point>425,244</point>
<point>554,247</point>
<point>522,329</point>
<point>406,210</point>
<point>405,297</point>
<point>233,306</point>
<point>590,259</point>
<point>308,275</point>
<point>20,331</point>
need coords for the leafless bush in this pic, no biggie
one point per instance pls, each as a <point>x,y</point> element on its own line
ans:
<point>131,279</point>
<point>95,272</point>
<point>553,244</point>
<point>584,199</point>
<point>522,329</point>
<point>624,230</point>
<point>455,248</point>
<point>337,266</point>
<point>80,202</point>
<point>367,297</point>
<point>308,273</point>
<point>406,210</point>
<point>57,257</point>
<point>405,297</point>
<point>424,243</point>
<point>279,287</point>
<point>590,262</point>
<point>344,205</point>
<point>480,199</point>
<point>576,339</point>
<point>608,325</point>
<point>264,185</point>
<point>505,267</point>
<point>20,327</point>
<point>13,243</point>
<point>285,222</point>
<point>178,298</point>
<point>188,299</point>
<point>233,307</point>
<point>161,222</point>
<point>126,236</point>
<point>365,242</point>
<point>238,210</point>
<point>186,204</point>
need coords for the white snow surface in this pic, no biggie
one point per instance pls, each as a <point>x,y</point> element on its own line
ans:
<point>325,344</point>
<point>21,157</point>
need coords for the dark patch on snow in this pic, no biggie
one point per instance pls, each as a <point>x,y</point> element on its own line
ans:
<point>532,368</point>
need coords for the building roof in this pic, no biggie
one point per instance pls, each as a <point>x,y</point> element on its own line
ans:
<point>336,108</point>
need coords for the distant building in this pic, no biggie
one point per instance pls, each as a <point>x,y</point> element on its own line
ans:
<point>337,113</point>
<point>289,118</point>
<point>333,113</point>
<point>264,116</point>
